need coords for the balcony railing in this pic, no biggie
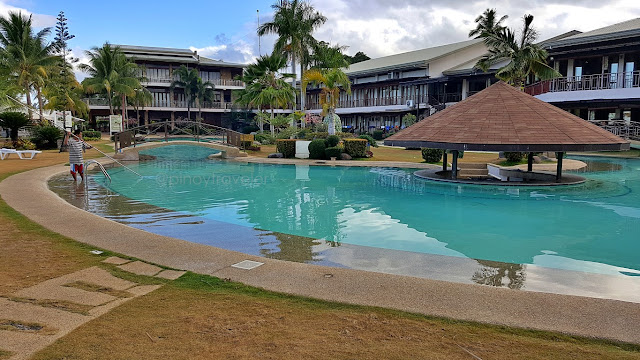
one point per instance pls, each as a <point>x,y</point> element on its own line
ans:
<point>434,100</point>
<point>215,82</point>
<point>181,104</point>
<point>621,128</point>
<point>586,82</point>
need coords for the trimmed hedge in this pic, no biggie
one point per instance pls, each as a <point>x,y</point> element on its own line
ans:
<point>316,135</point>
<point>356,147</point>
<point>90,134</point>
<point>432,155</point>
<point>287,147</point>
<point>333,140</point>
<point>333,151</point>
<point>369,139</point>
<point>316,149</point>
<point>265,139</point>
<point>378,134</point>
<point>513,157</point>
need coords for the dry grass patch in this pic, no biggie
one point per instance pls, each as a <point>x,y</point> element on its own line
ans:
<point>5,354</point>
<point>198,317</point>
<point>56,304</point>
<point>97,288</point>
<point>16,325</point>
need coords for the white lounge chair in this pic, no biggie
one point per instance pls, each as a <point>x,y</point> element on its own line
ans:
<point>28,154</point>
<point>4,153</point>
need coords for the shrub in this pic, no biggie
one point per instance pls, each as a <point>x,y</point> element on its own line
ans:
<point>333,140</point>
<point>302,134</point>
<point>514,157</point>
<point>46,137</point>
<point>316,149</point>
<point>13,121</point>
<point>408,120</point>
<point>24,144</point>
<point>378,134</point>
<point>432,155</point>
<point>91,135</point>
<point>333,151</point>
<point>249,129</point>
<point>316,135</point>
<point>369,139</point>
<point>287,133</point>
<point>345,135</point>
<point>265,139</point>
<point>287,147</point>
<point>355,147</point>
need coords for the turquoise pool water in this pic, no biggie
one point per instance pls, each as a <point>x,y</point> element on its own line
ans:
<point>592,227</point>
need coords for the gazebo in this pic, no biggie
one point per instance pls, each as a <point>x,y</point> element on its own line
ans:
<point>502,118</point>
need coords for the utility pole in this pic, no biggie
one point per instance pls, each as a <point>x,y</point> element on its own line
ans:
<point>259,51</point>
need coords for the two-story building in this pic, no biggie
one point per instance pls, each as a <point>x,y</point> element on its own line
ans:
<point>157,66</point>
<point>600,74</point>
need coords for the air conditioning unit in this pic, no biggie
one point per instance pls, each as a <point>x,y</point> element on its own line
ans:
<point>410,104</point>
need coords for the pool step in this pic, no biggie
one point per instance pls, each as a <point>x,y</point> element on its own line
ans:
<point>475,170</point>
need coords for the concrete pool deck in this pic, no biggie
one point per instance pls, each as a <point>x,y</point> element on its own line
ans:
<point>600,318</point>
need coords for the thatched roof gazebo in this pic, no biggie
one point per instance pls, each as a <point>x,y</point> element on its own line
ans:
<point>502,118</point>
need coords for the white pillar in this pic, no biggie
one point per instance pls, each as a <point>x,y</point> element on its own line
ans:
<point>465,88</point>
<point>570,68</point>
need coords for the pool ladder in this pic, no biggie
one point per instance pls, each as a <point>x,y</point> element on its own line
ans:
<point>104,171</point>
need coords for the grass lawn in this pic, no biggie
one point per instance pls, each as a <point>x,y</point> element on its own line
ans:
<point>201,317</point>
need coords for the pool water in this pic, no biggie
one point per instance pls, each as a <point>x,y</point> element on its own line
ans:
<point>334,215</point>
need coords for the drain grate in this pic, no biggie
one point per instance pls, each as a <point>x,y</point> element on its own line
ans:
<point>247,265</point>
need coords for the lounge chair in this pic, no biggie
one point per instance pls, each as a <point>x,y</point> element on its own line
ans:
<point>28,154</point>
<point>4,153</point>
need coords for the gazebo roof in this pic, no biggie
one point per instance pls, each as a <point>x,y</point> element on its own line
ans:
<point>501,118</point>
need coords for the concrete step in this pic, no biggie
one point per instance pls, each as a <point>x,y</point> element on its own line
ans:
<point>473,172</point>
<point>462,165</point>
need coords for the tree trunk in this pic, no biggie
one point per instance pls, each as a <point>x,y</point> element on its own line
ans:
<point>124,111</point>
<point>29,107</point>
<point>40,106</point>
<point>303,93</point>
<point>295,80</point>
<point>273,133</point>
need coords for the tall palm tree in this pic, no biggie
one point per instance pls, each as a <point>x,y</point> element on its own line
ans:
<point>326,56</point>
<point>294,22</point>
<point>188,81</point>
<point>266,86</point>
<point>524,55</point>
<point>110,74</point>
<point>25,56</point>
<point>140,99</point>
<point>486,24</point>
<point>203,93</point>
<point>65,94</point>
<point>332,81</point>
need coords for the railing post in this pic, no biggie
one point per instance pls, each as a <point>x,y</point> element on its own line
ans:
<point>166,134</point>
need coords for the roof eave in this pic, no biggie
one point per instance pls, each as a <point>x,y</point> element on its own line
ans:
<point>509,147</point>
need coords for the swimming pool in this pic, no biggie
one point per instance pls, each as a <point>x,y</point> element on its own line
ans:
<point>382,219</point>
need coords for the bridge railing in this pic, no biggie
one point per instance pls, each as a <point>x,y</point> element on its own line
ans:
<point>180,130</point>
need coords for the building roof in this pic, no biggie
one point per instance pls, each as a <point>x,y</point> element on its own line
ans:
<point>621,30</point>
<point>502,118</point>
<point>411,59</point>
<point>172,55</point>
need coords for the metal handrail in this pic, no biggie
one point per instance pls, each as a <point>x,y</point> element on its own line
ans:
<point>586,82</point>
<point>102,169</point>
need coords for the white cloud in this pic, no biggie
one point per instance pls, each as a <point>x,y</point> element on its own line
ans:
<point>39,20</point>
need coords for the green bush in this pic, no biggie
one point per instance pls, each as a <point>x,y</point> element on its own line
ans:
<point>316,149</point>
<point>46,137</point>
<point>287,133</point>
<point>355,147</point>
<point>265,139</point>
<point>432,155</point>
<point>249,129</point>
<point>316,135</point>
<point>333,151</point>
<point>333,140</point>
<point>287,147</point>
<point>24,144</point>
<point>370,139</point>
<point>378,134</point>
<point>90,134</point>
<point>408,120</point>
<point>514,157</point>
<point>302,134</point>
<point>345,135</point>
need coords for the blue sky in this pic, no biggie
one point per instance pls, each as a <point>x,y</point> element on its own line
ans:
<point>226,29</point>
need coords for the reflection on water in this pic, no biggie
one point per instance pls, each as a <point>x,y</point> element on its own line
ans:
<point>328,215</point>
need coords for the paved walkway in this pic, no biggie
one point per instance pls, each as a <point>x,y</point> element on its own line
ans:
<point>35,317</point>
<point>618,320</point>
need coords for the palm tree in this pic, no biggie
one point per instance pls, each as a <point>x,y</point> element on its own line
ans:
<point>65,94</point>
<point>331,81</point>
<point>526,57</point>
<point>487,24</point>
<point>110,74</point>
<point>140,99</point>
<point>265,86</point>
<point>203,92</point>
<point>294,22</point>
<point>188,81</point>
<point>326,57</point>
<point>13,121</point>
<point>25,56</point>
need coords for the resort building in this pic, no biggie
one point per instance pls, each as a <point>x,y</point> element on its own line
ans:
<point>158,65</point>
<point>600,74</point>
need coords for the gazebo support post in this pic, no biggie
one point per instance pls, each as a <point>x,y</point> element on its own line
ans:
<point>559,169</point>
<point>454,165</point>
<point>444,161</point>
<point>530,162</point>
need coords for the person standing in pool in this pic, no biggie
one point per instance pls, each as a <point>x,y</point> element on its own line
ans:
<point>76,146</point>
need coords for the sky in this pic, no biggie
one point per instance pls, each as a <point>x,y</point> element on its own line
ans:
<point>225,30</point>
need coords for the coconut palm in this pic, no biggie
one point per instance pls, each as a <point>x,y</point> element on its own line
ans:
<point>25,56</point>
<point>486,24</point>
<point>332,81</point>
<point>266,86</point>
<point>65,94</point>
<point>203,93</point>
<point>187,79</point>
<point>326,56</point>
<point>524,55</point>
<point>140,99</point>
<point>294,22</point>
<point>110,74</point>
